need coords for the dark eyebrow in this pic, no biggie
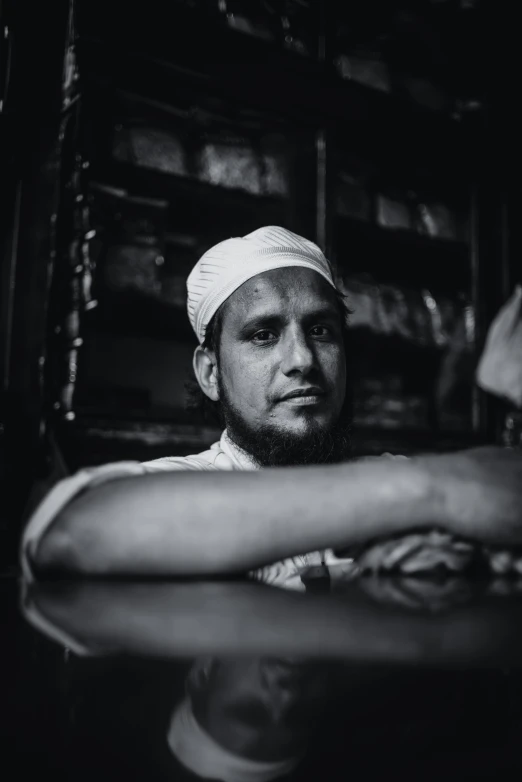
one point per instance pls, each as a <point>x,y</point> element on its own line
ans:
<point>268,319</point>
<point>323,313</point>
<point>261,321</point>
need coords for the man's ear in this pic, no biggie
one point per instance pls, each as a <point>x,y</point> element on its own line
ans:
<point>206,371</point>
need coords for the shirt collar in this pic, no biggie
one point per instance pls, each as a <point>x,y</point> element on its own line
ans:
<point>241,459</point>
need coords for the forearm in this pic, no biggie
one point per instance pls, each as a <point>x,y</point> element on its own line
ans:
<point>208,523</point>
<point>193,523</point>
<point>187,619</point>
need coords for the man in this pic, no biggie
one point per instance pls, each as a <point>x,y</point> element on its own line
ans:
<point>249,718</point>
<point>271,328</point>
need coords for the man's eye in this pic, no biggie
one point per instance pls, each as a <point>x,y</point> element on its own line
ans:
<point>320,331</point>
<point>263,336</point>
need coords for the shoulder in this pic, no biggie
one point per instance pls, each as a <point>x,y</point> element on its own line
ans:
<point>212,459</point>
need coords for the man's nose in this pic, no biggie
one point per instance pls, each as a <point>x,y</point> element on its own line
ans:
<point>298,355</point>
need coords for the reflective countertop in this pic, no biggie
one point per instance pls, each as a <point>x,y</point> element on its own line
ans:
<point>410,678</point>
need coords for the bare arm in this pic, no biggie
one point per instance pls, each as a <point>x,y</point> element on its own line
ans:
<point>186,619</point>
<point>194,523</point>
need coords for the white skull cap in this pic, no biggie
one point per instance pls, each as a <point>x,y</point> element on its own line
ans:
<point>227,265</point>
<point>200,753</point>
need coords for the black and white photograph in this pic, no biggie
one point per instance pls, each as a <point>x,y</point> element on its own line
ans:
<point>261,404</point>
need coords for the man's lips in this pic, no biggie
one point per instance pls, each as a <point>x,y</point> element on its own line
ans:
<point>303,393</point>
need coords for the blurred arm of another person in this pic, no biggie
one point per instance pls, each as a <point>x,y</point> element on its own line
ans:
<point>194,523</point>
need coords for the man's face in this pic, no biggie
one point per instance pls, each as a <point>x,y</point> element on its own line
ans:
<point>282,365</point>
<point>257,707</point>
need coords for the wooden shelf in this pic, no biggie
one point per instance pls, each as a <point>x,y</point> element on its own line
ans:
<point>194,205</point>
<point>403,237</point>
<point>97,438</point>
<point>129,313</point>
<point>151,183</point>
<point>401,257</point>
<point>364,341</point>
<point>375,440</point>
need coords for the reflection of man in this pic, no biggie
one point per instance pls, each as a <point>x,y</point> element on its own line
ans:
<point>271,327</point>
<point>247,719</point>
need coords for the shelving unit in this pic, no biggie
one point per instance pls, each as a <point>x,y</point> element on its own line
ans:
<point>194,75</point>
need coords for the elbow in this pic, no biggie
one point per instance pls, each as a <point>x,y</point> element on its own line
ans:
<point>56,553</point>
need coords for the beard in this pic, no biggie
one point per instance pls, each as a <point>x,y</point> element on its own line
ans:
<point>273,446</point>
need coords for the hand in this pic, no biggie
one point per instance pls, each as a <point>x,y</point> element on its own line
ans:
<point>418,594</point>
<point>434,552</point>
<point>416,553</point>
